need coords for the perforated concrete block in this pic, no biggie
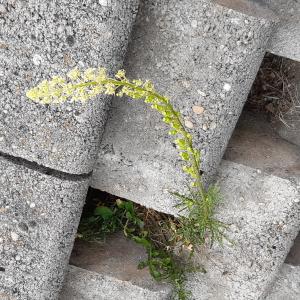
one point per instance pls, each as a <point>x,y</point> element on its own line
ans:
<point>204,56</point>
<point>39,39</point>
<point>39,215</point>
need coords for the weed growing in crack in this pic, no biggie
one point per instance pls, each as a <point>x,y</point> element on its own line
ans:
<point>189,231</point>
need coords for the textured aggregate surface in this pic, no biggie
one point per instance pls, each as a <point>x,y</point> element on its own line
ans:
<point>39,215</point>
<point>263,212</point>
<point>205,57</point>
<point>287,284</point>
<point>286,39</point>
<point>87,285</point>
<point>39,39</point>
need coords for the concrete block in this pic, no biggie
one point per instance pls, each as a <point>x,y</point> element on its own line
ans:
<point>205,57</point>
<point>263,212</point>
<point>88,285</point>
<point>39,215</point>
<point>286,39</point>
<point>286,285</point>
<point>41,39</point>
<point>110,271</point>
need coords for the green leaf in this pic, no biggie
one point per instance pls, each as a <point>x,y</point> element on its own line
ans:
<point>103,211</point>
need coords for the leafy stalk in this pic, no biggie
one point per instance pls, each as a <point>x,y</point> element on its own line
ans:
<point>199,224</point>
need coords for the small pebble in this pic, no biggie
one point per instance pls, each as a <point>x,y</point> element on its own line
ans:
<point>227,87</point>
<point>198,109</point>
<point>188,124</point>
<point>32,205</point>
<point>194,24</point>
<point>14,236</point>
<point>2,9</point>
<point>201,93</point>
<point>213,125</point>
<point>204,127</point>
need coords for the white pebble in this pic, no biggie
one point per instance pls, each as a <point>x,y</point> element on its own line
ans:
<point>201,93</point>
<point>104,2</point>
<point>37,59</point>
<point>227,87</point>
<point>194,24</point>
<point>189,124</point>
<point>14,236</point>
<point>32,205</point>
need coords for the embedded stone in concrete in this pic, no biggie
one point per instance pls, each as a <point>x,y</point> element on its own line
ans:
<point>287,284</point>
<point>286,39</point>
<point>41,39</point>
<point>198,53</point>
<point>263,214</point>
<point>39,215</point>
<point>88,285</point>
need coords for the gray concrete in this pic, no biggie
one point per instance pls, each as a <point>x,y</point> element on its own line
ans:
<point>287,284</point>
<point>116,257</point>
<point>202,55</point>
<point>87,285</point>
<point>39,215</point>
<point>286,39</point>
<point>263,212</point>
<point>39,39</point>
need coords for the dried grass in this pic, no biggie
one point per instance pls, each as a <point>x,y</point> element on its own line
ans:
<point>274,90</point>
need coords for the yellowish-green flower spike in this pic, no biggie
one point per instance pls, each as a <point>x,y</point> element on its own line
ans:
<point>84,85</point>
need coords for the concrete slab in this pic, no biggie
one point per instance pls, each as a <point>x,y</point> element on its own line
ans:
<point>286,39</point>
<point>117,257</point>
<point>264,216</point>
<point>47,39</point>
<point>287,284</point>
<point>39,215</point>
<point>255,143</point>
<point>199,54</point>
<point>87,285</point>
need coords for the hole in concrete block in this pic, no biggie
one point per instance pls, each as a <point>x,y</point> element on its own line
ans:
<point>264,137</point>
<point>258,140</point>
<point>109,252</point>
<point>2,269</point>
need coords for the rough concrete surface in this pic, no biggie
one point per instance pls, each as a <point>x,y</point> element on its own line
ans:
<point>39,39</point>
<point>263,212</point>
<point>39,215</point>
<point>255,143</point>
<point>286,39</point>
<point>287,284</point>
<point>205,57</point>
<point>87,285</point>
<point>116,257</point>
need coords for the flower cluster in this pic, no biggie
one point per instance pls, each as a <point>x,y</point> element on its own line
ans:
<point>82,86</point>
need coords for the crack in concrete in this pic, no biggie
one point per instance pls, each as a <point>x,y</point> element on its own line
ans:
<point>44,170</point>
